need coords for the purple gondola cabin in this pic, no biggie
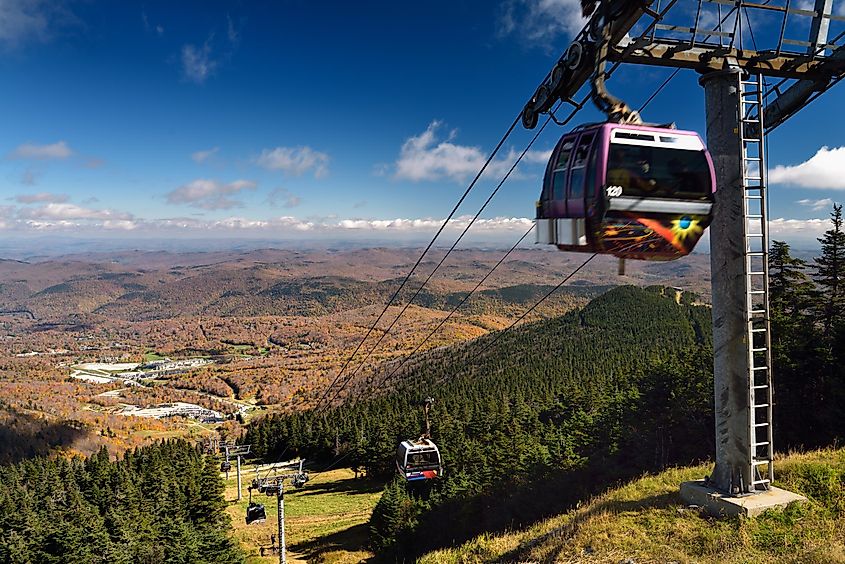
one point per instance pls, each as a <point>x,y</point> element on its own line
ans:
<point>632,191</point>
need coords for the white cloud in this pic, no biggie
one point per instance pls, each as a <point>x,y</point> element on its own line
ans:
<point>427,224</point>
<point>197,64</point>
<point>423,157</point>
<point>427,157</point>
<point>23,21</point>
<point>59,150</point>
<point>283,197</point>
<point>209,194</point>
<point>294,160</point>
<point>799,231</point>
<point>816,205</point>
<point>232,32</point>
<point>202,156</point>
<point>825,169</point>
<point>63,217</point>
<point>159,29</point>
<point>539,22</point>
<point>41,197</point>
<point>64,211</point>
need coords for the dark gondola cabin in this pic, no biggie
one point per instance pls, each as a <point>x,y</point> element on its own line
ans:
<point>255,513</point>
<point>418,460</point>
<point>225,466</point>
<point>632,191</point>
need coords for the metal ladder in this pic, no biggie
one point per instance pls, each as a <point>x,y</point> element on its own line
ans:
<point>761,452</point>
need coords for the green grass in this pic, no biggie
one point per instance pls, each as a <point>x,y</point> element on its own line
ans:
<point>150,356</point>
<point>326,519</point>
<point>646,521</point>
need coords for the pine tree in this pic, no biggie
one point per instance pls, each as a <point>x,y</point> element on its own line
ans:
<point>790,290</point>
<point>384,522</point>
<point>830,270</point>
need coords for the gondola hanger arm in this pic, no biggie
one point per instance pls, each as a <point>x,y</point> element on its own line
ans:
<point>615,108</point>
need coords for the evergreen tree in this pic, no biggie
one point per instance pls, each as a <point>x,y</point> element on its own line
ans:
<point>830,271</point>
<point>96,511</point>
<point>790,289</point>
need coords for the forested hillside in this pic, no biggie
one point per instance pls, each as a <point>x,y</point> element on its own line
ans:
<point>563,394</point>
<point>161,503</point>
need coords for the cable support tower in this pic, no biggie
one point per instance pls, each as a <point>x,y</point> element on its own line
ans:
<point>741,109</point>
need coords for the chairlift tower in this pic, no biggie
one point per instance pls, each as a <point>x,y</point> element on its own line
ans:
<point>741,108</point>
<point>237,451</point>
<point>275,485</point>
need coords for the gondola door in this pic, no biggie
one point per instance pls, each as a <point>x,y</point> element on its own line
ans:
<point>555,206</point>
<point>582,172</point>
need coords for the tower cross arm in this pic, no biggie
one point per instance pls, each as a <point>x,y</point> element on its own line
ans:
<point>706,58</point>
<point>796,97</point>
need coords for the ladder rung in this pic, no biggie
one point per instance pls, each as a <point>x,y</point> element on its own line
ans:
<point>751,158</point>
<point>755,253</point>
<point>761,349</point>
<point>764,443</point>
<point>761,386</point>
<point>763,481</point>
<point>753,234</point>
<point>754,178</point>
<point>766,424</point>
<point>756,273</point>
<point>757,292</point>
<point>758,330</point>
<point>753,197</point>
<point>754,216</point>
<point>760,368</point>
<point>760,406</point>
<point>757,311</point>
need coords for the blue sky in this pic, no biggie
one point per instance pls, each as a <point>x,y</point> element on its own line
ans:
<point>304,119</point>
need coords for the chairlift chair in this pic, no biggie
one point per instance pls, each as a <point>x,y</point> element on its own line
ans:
<point>255,512</point>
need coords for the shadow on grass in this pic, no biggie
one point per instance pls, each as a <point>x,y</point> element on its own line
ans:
<point>346,485</point>
<point>351,539</point>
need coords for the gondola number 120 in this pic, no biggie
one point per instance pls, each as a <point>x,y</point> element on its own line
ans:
<point>613,191</point>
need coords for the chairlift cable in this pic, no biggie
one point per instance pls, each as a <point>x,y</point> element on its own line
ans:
<point>419,260</point>
<point>659,89</point>
<point>451,313</point>
<point>537,303</point>
<point>530,144</point>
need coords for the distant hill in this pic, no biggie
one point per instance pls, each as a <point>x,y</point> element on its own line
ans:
<point>146,286</point>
